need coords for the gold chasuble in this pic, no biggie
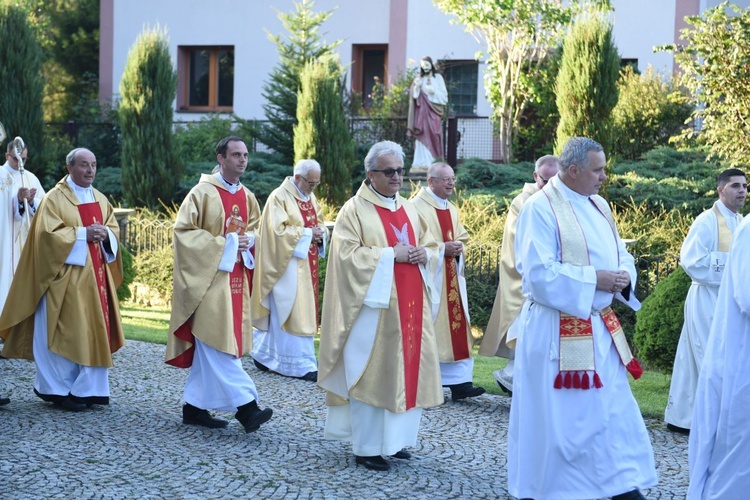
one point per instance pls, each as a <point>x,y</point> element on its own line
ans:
<point>452,327</point>
<point>509,297</point>
<point>285,215</point>
<point>83,315</point>
<point>208,304</point>
<point>399,363</point>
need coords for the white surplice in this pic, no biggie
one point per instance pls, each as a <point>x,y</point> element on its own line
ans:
<point>701,260</point>
<point>13,225</point>
<point>719,450</point>
<point>571,443</point>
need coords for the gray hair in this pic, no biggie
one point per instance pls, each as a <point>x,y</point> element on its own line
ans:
<point>576,152</point>
<point>545,160</point>
<point>431,170</point>
<point>71,158</point>
<point>304,166</point>
<point>383,148</point>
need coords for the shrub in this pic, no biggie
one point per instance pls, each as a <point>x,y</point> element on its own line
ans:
<point>154,269</point>
<point>481,294</point>
<point>128,274</point>
<point>502,179</point>
<point>659,322</point>
<point>196,141</point>
<point>648,112</point>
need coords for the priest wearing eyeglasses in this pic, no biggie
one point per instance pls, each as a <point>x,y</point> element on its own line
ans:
<point>291,237</point>
<point>378,355</point>
<point>451,316</point>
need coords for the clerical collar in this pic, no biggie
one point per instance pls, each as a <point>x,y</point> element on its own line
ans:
<point>569,193</point>
<point>389,201</point>
<point>443,203</point>
<point>229,183</point>
<point>381,194</point>
<point>301,194</point>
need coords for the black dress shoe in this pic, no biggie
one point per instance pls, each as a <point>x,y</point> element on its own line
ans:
<point>465,390</point>
<point>192,415</point>
<point>630,495</point>
<point>373,463</point>
<point>403,455</point>
<point>310,376</point>
<point>4,401</point>
<point>260,366</point>
<point>70,404</point>
<point>677,429</point>
<point>251,417</point>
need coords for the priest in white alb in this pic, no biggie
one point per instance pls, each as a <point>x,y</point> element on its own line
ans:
<point>719,449</point>
<point>702,256</point>
<point>575,428</point>
<point>291,237</point>
<point>378,355</point>
<point>451,316</point>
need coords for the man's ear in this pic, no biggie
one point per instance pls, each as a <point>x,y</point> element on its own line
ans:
<point>573,171</point>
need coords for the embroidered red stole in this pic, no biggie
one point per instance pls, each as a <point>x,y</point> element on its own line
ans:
<point>235,206</point>
<point>310,218</point>
<point>410,296</point>
<point>91,213</point>
<point>577,335</point>
<point>456,316</point>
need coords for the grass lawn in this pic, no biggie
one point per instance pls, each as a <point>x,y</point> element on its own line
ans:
<point>651,390</point>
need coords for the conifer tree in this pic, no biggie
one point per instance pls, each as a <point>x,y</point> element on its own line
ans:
<point>587,82</point>
<point>22,86</point>
<point>322,129</point>
<point>302,44</point>
<point>150,171</point>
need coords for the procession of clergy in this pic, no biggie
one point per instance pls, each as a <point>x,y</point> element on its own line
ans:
<point>395,326</point>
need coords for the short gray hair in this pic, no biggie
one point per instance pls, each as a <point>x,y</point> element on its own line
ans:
<point>433,168</point>
<point>576,152</point>
<point>383,148</point>
<point>71,158</point>
<point>304,166</point>
<point>545,160</point>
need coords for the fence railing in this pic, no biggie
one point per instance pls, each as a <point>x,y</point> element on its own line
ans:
<point>482,260</point>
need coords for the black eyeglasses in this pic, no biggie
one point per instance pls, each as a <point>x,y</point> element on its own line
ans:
<point>544,181</point>
<point>388,172</point>
<point>312,184</point>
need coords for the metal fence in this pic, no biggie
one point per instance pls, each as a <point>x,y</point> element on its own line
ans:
<point>482,260</point>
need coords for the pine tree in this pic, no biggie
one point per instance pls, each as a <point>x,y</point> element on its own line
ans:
<point>303,44</point>
<point>150,171</point>
<point>587,82</point>
<point>22,86</point>
<point>322,130</point>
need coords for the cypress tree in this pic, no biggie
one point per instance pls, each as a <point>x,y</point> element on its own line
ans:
<point>586,85</point>
<point>303,44</point>
<point>322,130</point>
<point>150,170</point>
<point>22,89</point>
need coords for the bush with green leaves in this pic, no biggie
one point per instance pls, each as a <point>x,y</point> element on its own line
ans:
<point>659,322</point>
<point>128,274</point>
<point>649,111</point>
<point>154,269</point>
<point>502,179</point>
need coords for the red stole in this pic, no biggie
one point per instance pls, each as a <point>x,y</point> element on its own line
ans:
<point>91,213</point>
<point>310,218</point>
<point>456,316</point>
<point>235,206</point>
<point>410,296</point>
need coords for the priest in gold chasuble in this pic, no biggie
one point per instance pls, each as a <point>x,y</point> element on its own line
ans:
<point>210,327</point>
<point>378,355</point>
<point>62,308</point>
<point>285,300</point>
<point>451,317</point>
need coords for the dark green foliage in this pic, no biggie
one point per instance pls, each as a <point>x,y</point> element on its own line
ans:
<point>128,274</point>
<point>666,178</point>
<point>322,130</point>
<point>481,295</point>
<point>109,182</point>
<point>538,122</point>
<point>154,269</point>
<point>196,141</point>
<point>22,84</point>
<point>587,81</point>
<point>649,111</point>
<point>503,179</point>
<point>148,88</point>
<point>659,324</point>
<point>302,44</point>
